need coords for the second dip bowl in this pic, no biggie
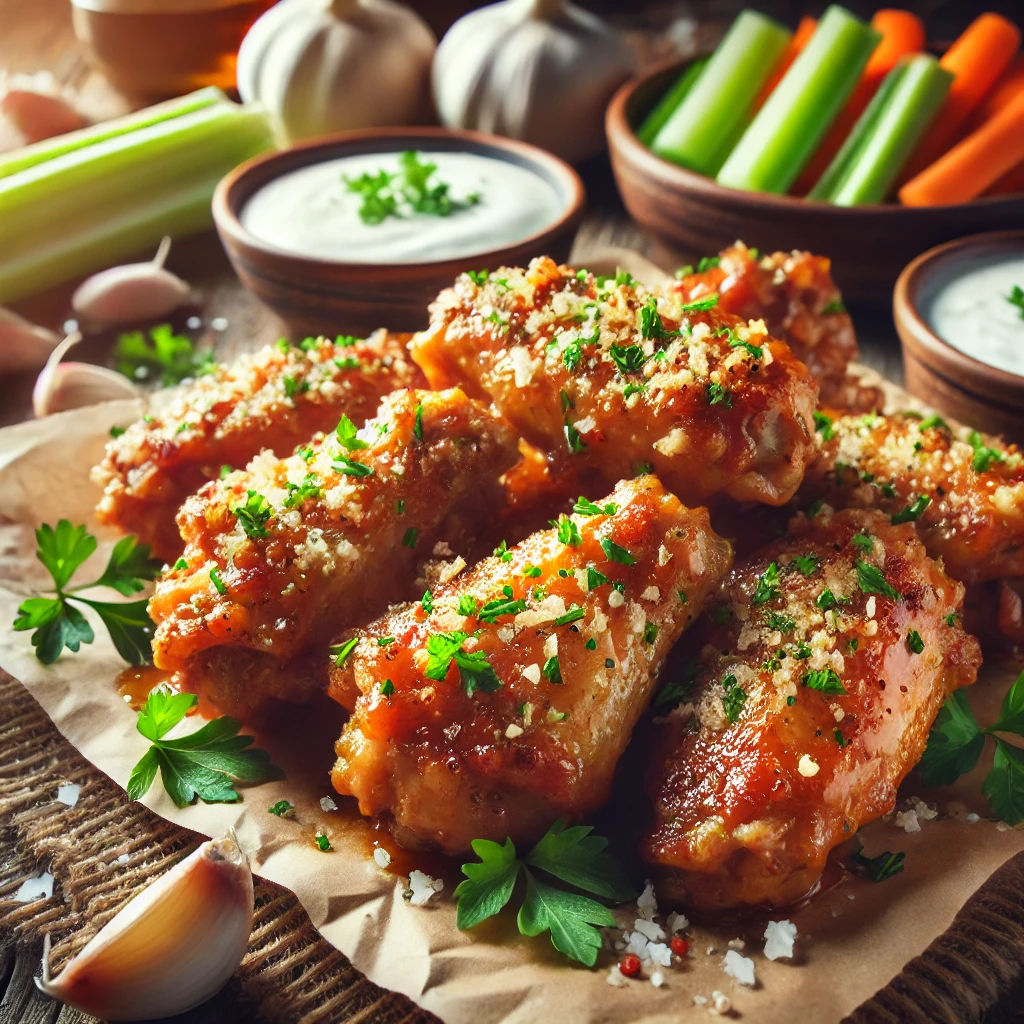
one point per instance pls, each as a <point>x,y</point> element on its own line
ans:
<point>317,291</point>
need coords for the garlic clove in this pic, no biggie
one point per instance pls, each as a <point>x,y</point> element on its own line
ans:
<point>62,386</point>
<point>171,948</point>
<point>133,293</point>
<point>23,345</point>
<point>36,107</point>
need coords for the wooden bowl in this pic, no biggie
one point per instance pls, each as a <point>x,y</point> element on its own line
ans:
<point>971,391</point>
<point>868,245</point>
<point>316,296</point>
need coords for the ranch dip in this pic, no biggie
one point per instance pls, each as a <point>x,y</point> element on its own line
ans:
<point>970,307</point>
<point>313,212</point>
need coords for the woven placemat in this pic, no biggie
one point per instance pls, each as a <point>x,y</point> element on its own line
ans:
<point>289,974</point>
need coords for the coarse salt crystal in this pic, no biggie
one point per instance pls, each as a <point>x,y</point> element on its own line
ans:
<point>551,646</point>
<point>327,804</point>
<point>677,923</point>
<point>513,731</point>
<point>651,594</point>
<point>123,858</point>
<point>664,555</point>
<point>973,818</point>
<point>637,943</point>
<point>740,968</point>
<point>807,766</point>
<point>907,820</point>
<point>779,937</point>
<point>616,599</point>
<point>925,811</point>
<point>68,793</point>
<point>381,857</point>
<point>647,901</point>
<point>422,887</point>
<point>616,978</point>
<point>700,1000</point>
<point>720,1002</point>
<point>869,607</point>
<point>659,953</point>
<point>738,944</point>
<point>651,929</point>
<point>532,673</point>
<point>657,979</point>
<point>40,887</point>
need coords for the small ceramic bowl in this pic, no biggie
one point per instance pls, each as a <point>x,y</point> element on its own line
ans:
<point>965,388</point>
<point>868,245</point>
<point>314,295</point>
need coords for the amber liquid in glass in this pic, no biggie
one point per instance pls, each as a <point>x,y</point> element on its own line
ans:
<point>162,54</point>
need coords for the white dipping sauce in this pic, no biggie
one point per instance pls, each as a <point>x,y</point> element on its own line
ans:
<point>968,308</point>
<point>311,212</point>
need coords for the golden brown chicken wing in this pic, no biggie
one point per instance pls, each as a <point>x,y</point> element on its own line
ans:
<point>606,377</point>
<point>504,700</point>
<point>818,675</point>
<point>276,398</point>
<point>283,555</point>
<point>965,494</point>
<point>794,294</point>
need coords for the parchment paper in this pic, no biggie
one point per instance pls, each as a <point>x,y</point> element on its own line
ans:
<point>852,938</point>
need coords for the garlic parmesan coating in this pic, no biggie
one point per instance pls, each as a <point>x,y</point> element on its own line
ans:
<point>282,556</point>
<point>504,700</point>
<point>275,398</point>
<point>962,490</point>
<point>606,376</point>
<point>818,671</point>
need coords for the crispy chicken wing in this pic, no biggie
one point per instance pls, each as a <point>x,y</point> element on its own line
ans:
<point>966,496</point>
<point>793,292</point>
<point>276,398</point>
<point>505,701</point>
<point>283,555</point>
<point>605,377</point>
<point>817,679</point>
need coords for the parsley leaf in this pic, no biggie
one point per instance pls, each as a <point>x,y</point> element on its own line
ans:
<point>864,541</point>
<point>734,698</point>
<point>955,744</point>
<point>588,508</point>
<point>299,493</point>
<point>650,324</point>
<point>568,531</point>
<point>627,358</point>
<point>493,610</point>
<point>767,585</point>
<point>474,669</point>
<point>165,355</point>
<point>572,437</point>
<point>1004,785</point>
<point>983,455</point>
<point>616,553</point>
<point>1016,298</point>
<point>871,581</point>
<point>349,467</point>
<point>911,513</point>
<point>707,302</point>
<point>346,434</point>
<point>824,680</point>
<point>823,424</point>
<point>806,564</point>
<point>914,641</point>
<point>717,395</point>
<point>254,513</point>
<point>879,868</point>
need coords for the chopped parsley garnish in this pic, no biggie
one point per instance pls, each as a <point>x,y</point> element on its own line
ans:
<point>933,423</point>
<point>468,605</point>
<point>385,641</point>
<point>349,467</point>
<point>574,613</point>
<point>567,402</point>
<point>767,585</point>
<point>532,571</point>
<point>340,652</point>
<point>207,763</point>
<point>169,356</point>
<point>427,602</point>
<point>827,601</point>
<point>585,507</point>
<point>783,623</point>
<point>572,437</point>
<point>298,493</point>
<point>950,619</point>
<point>591,644</point>
<point>572,355</point>
<point>864,541</point>
<point>616,553</point>
<point>1016,298</point>
<point>254,513</point>
<point>474,669</point>
<point>478,277</point>
<point>717,395</point>
<point>840,739</point>
<point>493,610</point>
<point>708,263</point>
<point>707,302</point>
<point>806,564</point>
<point>983,455</point>
<point>823,424</point>
<point>824,680</point>
<point>914,641</point>
<point>387,688</point>
<point>323,842</point>
<point>283,809</point>
<point>116,432</point>
<point>181,563</point>
<point>802,651</point>
<point>568,531</point>
<point>650,324</point>
<point>627,358</point>
<point>833,307</point>
<point>293,386</point>
<point>417,427</point>
<point>218,583</point>
<point>502,552</point>
<point>736,342</point>
<point>912,512</point>
<point>734,698</point>
<point>681,594</point>
<point>871,581</point>
<point>306,452</point>
<point>650,633</point>
<point>879,868</point>
<point>552,670</point>
<point>595,578</point>
<point>410,537</point>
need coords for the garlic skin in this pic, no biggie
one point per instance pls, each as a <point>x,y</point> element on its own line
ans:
<point>321,66</point>
<point>171,948</point>
<point>23,344</point>
<point>132,293</point>
<point>35,107</point>
<point>63,386</point>
<point>541,71</point>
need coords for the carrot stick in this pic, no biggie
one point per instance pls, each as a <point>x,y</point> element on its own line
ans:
<point>977,58</point>
<point>1010,83</point>
<point>1011,183</point>
<point>972,165</point>
<point>902,35</point>
<point>801,37</point>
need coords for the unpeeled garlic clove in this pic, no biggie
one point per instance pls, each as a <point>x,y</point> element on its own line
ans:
<point>23,345</point>
<point>132,293</point>
<point>62,386</point>
<point>37,107</point>
<point>171,948</point>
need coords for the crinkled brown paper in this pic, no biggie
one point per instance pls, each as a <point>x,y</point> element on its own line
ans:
<point>852,938</point>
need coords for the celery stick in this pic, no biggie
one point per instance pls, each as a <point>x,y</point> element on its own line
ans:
<point>909,111</point>
<point>668,103</point>
<point>701,130</point>
<point>29,156</point>
<point>854,144</point>
<point>789,127</point>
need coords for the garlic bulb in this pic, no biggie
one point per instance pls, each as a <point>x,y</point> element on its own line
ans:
<point>321,66</point>
<point>538,70</point>
<point>23,345</point>
<point>129,294</point>
<point>171,947</point>
<point>63,386</point>
<point>33,108</point>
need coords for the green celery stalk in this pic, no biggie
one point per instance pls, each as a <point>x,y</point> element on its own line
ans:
<point>854,143</point>
<point>668,103</point>
<point>91,207</point>
<point>29,156</point>
<point>699,133</point>
<point>788,128</point>
<point>909,111</point>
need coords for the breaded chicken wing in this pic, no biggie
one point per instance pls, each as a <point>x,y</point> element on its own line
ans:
<point>281,556</point>
<point>503,701</point>
<point>817,677</point>
<point>964,494</point>
<point>793,292</point>
<point>275,398</point>
<point>603,376</point>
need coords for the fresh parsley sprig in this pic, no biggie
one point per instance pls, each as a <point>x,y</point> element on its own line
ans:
<point>571,855</point>
<point>956,744</point>
<point>58,623</point>
<point>166,356</point>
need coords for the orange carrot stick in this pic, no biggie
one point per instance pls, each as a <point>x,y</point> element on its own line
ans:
<point>977,58</point>
<point>902,34</point>
<point>800,38</point>
<point>972,165</point>
<point>1011,183</point>
<point>1009,84</point>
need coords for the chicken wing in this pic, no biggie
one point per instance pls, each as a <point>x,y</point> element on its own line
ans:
<point>283,555</point>
<point>817,677</point>
<point>504,700</point>
<point>603,376</point>
<point>965,496</point>
<point>794,294</point>
<point>276,398</point>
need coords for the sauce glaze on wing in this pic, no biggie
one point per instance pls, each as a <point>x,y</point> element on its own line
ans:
<point>812,699</point>
<point>338,532</point>
<point>275,398</point>
<point>561,645</point>
<point>607,377</point>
